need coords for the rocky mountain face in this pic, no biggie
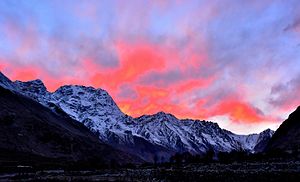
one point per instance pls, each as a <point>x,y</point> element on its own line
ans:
<point>152,137</point>
<point>32,134</point>
<point>6,83</point>
<point>194,136</point>
<point>286,139</point>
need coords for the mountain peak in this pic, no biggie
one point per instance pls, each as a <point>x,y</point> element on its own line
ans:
<point>33,86</point>
<point>36,82</point>
<point>268,131</point>
<point>163,114</point>
<point>84,103</point>
<point>81,87</point>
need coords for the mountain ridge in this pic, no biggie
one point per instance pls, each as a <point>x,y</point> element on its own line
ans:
<point>96,109</point>
<point>44,138</point>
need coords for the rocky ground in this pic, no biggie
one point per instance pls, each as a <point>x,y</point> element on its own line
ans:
<point>193,172</point>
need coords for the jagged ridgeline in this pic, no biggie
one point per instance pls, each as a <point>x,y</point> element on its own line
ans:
<point>34,135</point>
<point>151,137</point>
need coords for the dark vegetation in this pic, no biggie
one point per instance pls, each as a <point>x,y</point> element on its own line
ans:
<point>234,157</point>
<point>242,171</point>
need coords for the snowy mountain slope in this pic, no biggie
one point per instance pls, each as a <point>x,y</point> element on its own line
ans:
<point>98,112</point>
<point>194,135</point>
<point>184,135</point>
<point>32,134</point>
<point>254,142</point>
<point>34,89</point>
<point>6,83</point>
<point>161,132</point>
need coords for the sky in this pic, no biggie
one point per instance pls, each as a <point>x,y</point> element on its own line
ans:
<point>234,62</point>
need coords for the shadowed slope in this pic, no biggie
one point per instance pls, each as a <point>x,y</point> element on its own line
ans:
<point>287,137</point>
<point>27,127</point>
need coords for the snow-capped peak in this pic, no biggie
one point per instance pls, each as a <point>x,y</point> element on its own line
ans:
<point>96,109</point>
<point>34,86</point>
<point>267,132</point>
<point>160,116</point>
<point>86,97</point>
<point>34,89</point>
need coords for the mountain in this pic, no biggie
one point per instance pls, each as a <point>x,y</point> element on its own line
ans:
<point>6,83</point>
<point>194,136</point>
<point>263,140</point>
<point>286,139</point>
<point>151,137</point>
<point>42,137</point>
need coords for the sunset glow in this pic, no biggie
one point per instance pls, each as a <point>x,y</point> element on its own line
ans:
<point>236,63</point>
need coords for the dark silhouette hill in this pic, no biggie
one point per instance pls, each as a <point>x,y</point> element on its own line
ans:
<point>286,139</point>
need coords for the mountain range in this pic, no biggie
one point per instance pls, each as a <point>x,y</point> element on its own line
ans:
<point>150,137</point>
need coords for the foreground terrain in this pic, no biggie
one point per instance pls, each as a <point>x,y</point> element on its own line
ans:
<point>284,171</point>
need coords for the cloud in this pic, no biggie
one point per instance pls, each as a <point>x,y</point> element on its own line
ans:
<point>238,111</point>
<point>127,92</point>
<point>195,59</point>
<point>284,95</point>
<point>293,26</point>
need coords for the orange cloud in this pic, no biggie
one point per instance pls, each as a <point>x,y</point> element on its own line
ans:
<point>147,101</point>
<point>152,99</point>
<point>2,65</point>
<point>239,111</point>
<point>135,60</point>
<point>26,74</point>
<point>193,84</point>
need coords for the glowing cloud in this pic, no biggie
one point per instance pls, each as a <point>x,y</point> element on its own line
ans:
<point>194,59</point>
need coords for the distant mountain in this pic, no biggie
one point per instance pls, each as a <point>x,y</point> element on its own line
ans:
<point>32,134</point>
<point>286,139</point>
<point>194,136</point>
<point>152,137</point>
